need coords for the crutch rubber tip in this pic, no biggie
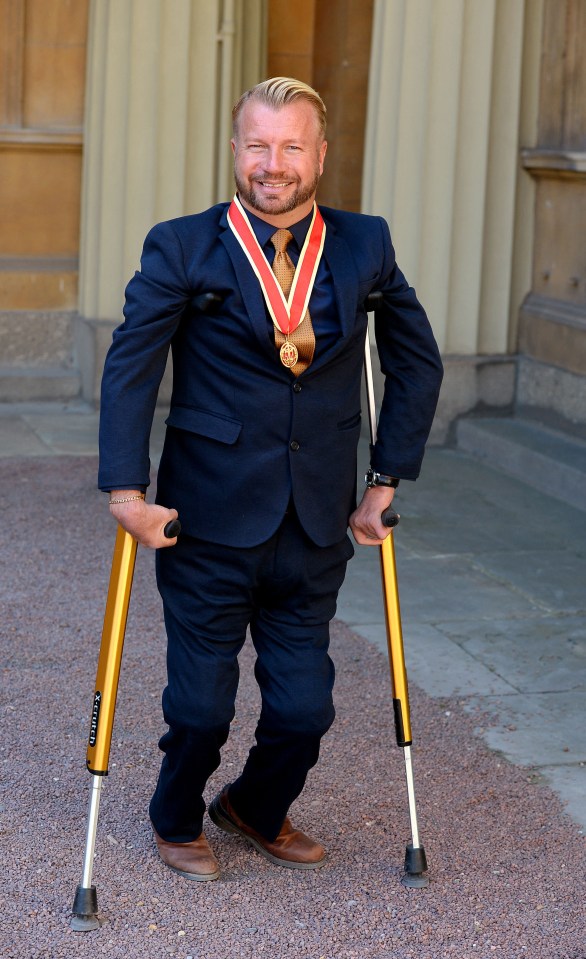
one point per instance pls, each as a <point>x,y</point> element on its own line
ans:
<point>415,866</point>
<point>85,910</point>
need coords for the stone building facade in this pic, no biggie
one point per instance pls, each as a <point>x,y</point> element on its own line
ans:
<point>461,121</point>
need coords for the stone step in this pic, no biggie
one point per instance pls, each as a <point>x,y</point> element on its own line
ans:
<point>547,460</point>
<point>30,384</point>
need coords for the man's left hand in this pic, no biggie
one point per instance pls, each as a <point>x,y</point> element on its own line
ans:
<point>365,522</point>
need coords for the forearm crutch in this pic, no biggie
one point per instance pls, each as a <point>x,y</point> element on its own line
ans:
<point>85,905</point>
<point>415,860</point>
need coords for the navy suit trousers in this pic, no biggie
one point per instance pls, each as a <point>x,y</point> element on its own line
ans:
<point>285,590</point>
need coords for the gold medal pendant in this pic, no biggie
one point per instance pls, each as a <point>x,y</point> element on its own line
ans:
<point>289,354</point>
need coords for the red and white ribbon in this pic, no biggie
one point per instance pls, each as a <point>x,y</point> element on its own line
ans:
<point>288,313</point>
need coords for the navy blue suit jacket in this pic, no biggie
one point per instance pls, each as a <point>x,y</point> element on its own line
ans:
<point>243,434</point>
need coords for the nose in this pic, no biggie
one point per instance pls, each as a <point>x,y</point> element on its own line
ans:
<point>272,161</point>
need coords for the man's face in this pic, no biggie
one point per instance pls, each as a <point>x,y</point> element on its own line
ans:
<point>278,159</point>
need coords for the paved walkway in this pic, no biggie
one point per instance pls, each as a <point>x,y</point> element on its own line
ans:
<point>492,578</point>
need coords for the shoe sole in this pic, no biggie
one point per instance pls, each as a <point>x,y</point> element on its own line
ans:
<point>222,821</point>
<point>196,877</point>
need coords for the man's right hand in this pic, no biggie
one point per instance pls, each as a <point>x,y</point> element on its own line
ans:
<point>144,521</point>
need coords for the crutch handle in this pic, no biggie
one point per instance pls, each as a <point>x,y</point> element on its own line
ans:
<point>209,303</point>
<point>172,529</point>
<point>373,302</point>
<point>390,518</point>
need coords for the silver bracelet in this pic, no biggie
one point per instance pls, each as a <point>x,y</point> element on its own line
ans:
<point>126,499</point>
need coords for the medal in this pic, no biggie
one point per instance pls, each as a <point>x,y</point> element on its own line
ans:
<point>289,354</point>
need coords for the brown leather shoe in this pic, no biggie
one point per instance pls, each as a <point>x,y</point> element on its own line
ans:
<point>193,860</point>
<point>292,848</point>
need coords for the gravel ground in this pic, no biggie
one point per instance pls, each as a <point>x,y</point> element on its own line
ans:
<point>506,864</point>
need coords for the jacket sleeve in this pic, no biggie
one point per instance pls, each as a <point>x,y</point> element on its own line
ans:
<point>413,371</point>
<point>155,300</point>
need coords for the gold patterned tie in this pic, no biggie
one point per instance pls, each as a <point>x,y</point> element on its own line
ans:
<point>303,337</point>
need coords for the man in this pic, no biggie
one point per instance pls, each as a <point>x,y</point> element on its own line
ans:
<point>259,461</point>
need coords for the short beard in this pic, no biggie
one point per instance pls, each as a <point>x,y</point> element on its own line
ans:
<point>247,193</point>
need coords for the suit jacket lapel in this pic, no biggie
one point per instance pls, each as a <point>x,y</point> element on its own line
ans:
<point>249,286</point>
<point>343,269</point>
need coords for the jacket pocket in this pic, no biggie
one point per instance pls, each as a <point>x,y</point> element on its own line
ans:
<point>212,425</point>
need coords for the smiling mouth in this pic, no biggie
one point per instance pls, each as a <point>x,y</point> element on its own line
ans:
<point>274,184</point>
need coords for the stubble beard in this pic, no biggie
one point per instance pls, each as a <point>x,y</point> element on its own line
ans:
<point>275,206</point>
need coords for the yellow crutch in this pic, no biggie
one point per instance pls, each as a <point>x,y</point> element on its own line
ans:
<point>415,860</point>
<point>85,905</point>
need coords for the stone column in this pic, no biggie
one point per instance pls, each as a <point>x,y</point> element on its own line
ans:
<point>552,320</point>
<point>162,77</point>
<point>442,164</point>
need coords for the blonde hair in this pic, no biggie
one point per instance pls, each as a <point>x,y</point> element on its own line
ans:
<point>278,92</point>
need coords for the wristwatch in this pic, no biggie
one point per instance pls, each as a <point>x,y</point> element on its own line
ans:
<point>372,478</point>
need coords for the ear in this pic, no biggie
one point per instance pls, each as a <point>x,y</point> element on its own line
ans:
<point>233,145</point>
<point>321,155</point>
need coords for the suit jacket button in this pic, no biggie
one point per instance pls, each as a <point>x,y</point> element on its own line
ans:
<point>294,445</point>
<point>297,387</point>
